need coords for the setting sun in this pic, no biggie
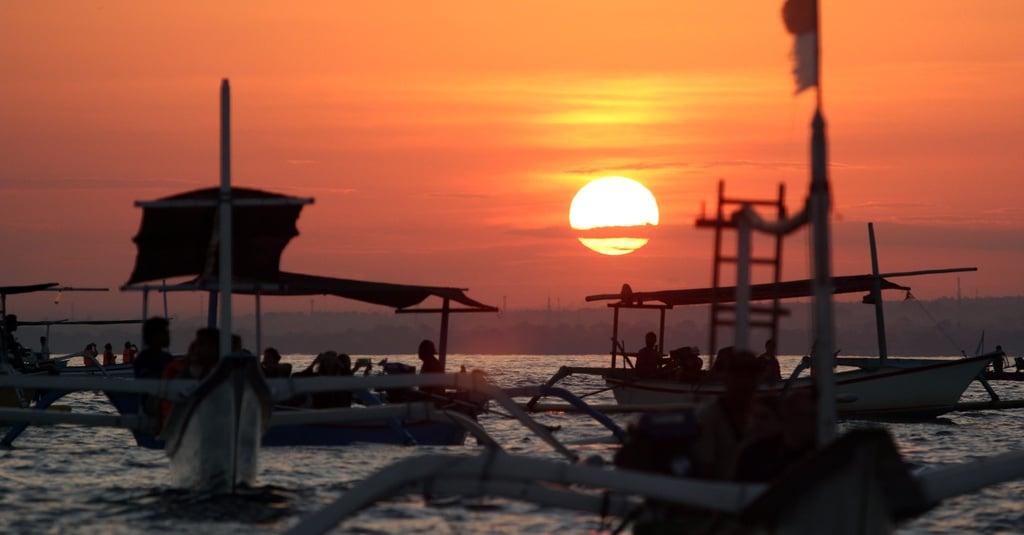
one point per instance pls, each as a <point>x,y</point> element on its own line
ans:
<point>612,214</point>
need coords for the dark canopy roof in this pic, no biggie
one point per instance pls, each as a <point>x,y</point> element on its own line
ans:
<point>378,293</point>
<point>758,292</point>
<point>26,288</point>
<point>398,296</point>
<point>181,240</point>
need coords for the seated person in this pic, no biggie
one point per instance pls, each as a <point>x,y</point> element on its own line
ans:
<point>719,369</point>
<point>782,433</point>
<point>648,359</point>
<point>89,354</point>
<point>431,364</point>
<point>770,371</point>
<point>723,421</point>
<point>332,364</point>
<point>202,356</point>
<point>328,363</point>
<point>272,365</point>
<point>151,361</point>
<point>687,364</point>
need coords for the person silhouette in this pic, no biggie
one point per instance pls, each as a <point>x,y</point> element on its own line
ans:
<point>156,338</point>
<point>769,363</point>
<point>648,359</point>
<point>431,364</point>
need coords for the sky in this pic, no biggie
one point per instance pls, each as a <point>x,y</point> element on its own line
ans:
<point>443,141</point>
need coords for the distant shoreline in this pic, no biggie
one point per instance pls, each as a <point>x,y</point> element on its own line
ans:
<point>940,327</point>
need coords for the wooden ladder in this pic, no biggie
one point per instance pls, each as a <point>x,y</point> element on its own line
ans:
<point>724,314</point>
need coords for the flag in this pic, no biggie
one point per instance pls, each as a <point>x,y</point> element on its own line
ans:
<point>801,17</point>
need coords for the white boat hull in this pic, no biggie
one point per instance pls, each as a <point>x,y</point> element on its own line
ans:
<point>213,438</point>
<point>919,390</point>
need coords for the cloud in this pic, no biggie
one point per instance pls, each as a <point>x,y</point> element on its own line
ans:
<point>94,184</point>
<point>721,164</point>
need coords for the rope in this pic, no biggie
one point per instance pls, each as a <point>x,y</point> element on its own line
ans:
<point>596,392</point>
<point>937,325</point>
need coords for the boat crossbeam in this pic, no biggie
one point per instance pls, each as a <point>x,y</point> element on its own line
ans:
<point>411,411</point>
<point>512,472</point>
<point>49,417</point>
<point>283,389</point>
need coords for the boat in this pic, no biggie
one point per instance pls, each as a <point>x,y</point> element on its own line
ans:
<point>212,435</point>
<point>851,484</point>
<point>214,428</point>
<point>15,358</point>
<point>358,426</point>
<point>867,387</point>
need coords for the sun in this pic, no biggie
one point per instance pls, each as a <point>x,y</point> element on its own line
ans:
<point>612,215</point>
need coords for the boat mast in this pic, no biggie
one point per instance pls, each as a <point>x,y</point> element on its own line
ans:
<point>224,215</point>
<point>876,297</point>
<point>823,357</point>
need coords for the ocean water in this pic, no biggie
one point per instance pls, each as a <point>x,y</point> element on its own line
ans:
<point>67,479</point>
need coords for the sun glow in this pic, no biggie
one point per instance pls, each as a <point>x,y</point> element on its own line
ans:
<point>612,215</point>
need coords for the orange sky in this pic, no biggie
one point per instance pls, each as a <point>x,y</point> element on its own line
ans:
<point>443,141</point>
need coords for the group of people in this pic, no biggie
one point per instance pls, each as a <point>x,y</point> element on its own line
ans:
<point>747,437</point>
<point>739,434</point>
<point>154,362</point>
<point>685,364</point>
<point>334,363</point>
<point>90,353</point>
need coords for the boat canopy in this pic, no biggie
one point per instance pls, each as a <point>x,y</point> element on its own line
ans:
<point>179,238</point>
<point>758,292</point>
<point>26,288</point>
<point>398,296</point>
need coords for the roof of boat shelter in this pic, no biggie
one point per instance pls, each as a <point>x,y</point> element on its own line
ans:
<point>758,292</point>
<point>177,236</point>
<point>26,288</point>
<point>398,296</point>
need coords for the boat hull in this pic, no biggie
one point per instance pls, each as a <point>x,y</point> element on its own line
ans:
<point>213,437</point>
<point>376,431</point>
<point>1005,376</point>
<point>422,432</point>
<point>921,390</point>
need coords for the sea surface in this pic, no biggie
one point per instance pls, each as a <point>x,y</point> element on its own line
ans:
<point>67,479</point>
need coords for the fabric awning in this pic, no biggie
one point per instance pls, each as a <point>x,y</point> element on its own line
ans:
<point>758,292</point>
<point>398,296</point>
<point>181,240</point>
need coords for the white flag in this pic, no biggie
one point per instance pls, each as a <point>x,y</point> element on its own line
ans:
<point>801,17</point>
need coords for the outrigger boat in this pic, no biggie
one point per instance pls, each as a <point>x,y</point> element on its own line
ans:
<point>15,358</point>
<point>213,431</point>
<point>853,484</point>
<point>881,387</point>
<point>415,427</point>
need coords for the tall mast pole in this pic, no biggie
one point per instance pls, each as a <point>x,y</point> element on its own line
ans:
<point>225,249</point>
<point>823,358</point>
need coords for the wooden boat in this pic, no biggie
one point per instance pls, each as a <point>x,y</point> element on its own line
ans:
<point>229,407</point>
<point>18,359</point>
<point>212,437</point>
<point>852,484</point>
<point>892,391</point>
<point>1003,376</point>
<point>411,423</point>
<point>405,299</point>
<point>881,388</point>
